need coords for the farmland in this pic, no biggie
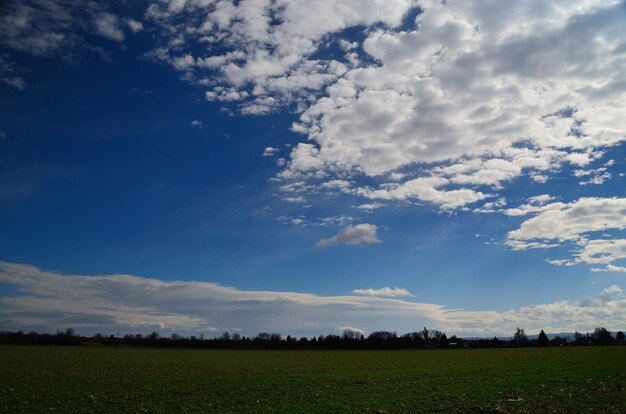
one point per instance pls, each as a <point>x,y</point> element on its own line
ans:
<point>37,379</point>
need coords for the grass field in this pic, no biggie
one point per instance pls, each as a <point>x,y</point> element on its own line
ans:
<point>35,379</point>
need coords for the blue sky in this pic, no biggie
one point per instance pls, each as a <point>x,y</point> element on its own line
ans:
<point>304,167</point>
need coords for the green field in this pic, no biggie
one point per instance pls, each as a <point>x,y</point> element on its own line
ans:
<point>37,379</point>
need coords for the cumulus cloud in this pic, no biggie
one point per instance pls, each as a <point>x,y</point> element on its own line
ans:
<point>450,107</point>
<point>420,104</point>
<point>581,224</point>
<point>352,235</point>
<point>570,221</point>
<point>425,189</point>
<point>602,251</point>
<point>471,94</point>
<point>46,301</point>
<point>385,292</point>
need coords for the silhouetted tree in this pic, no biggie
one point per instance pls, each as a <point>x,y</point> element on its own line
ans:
<point>175,336</point>
<point>543,339</point>
<point>602,337</point>
<point>263,336</point>
<point>351,334</point>
<point>520,336</point>
<point>559,341</point>
<point>413,339</point>
<point>579,339</point>
<point>381,339</point>
<point>350,339</point>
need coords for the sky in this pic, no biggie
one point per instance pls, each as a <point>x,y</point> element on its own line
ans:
<point>303,167</point>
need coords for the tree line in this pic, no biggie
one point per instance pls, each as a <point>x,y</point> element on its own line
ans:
<point>349,339</point>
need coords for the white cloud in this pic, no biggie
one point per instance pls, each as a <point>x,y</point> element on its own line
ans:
<point>491,206</point>
<point>197,123</point>
<point>612,293</point>
<point>564,262</point>
<point>369,207</point>
<point>597,179</point>
<point>135,26</point>
<point>423,188</point>
<point>298,199</point>
<point>341,220</point>
<point>347,46</point>
<point>46,301</point>
<point>302,220</point>
<point>15,81</point>
<point>109,26</point>
<point>602,251</point>
<point>581,224</point>
<point>352,235</point>
<point>407,131</point>
<point>477,93</point>
<point>384,292</point>
<point>609,268</point>
<point>270,151</point>
<point>55,29</point>
<point>540,199</point>
<point>340,185</point>
<point>535,204</point>
<point>38,27</point>
<point>539,178</point>
<point>569,222</point>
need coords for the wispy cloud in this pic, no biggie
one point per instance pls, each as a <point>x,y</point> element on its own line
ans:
<point>56,29</point>
<point>15,81</point>
<point>50,300</point>
<point>609,268</point>
<point>109,26</point>
<point>135,26</point>
<point>384,292</point>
